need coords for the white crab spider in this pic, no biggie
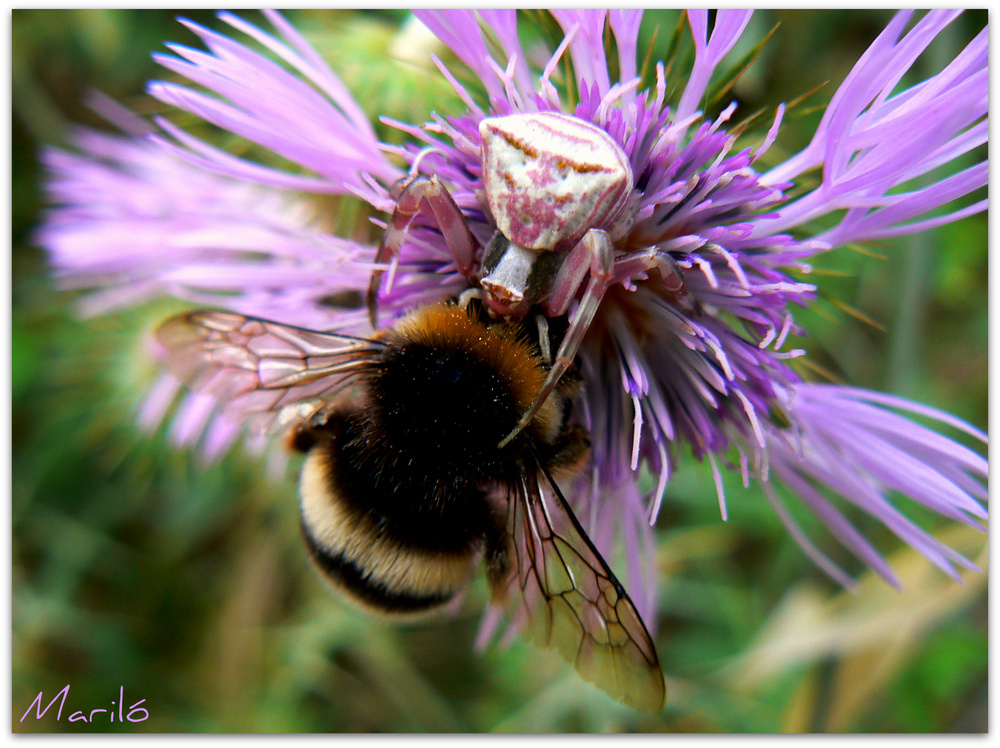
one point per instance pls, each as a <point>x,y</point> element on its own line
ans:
<point>561,193</point>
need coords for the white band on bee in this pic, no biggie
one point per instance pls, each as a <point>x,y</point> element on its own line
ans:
<point>341,531</point>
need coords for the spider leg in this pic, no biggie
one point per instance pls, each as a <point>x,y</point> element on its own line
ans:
<point>600,251</point>
<point>415,194</point>
<point>569,279</point>
<point>466,297</point>
<point>654,258</point>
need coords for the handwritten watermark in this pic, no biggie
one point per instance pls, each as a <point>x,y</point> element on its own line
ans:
<point>135,713</point>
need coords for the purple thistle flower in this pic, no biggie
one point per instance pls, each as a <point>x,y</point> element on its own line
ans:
<point>170,214</point>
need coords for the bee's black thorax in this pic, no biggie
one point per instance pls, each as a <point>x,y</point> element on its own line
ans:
<point>437,415</point>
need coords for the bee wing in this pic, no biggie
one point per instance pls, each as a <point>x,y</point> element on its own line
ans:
<point>572,600</point>
<point>258,368</point>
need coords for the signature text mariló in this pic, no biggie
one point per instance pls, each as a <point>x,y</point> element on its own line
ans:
<point>135,713</point>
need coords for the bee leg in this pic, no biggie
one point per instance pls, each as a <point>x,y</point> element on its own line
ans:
<point>569,453</point>
<point>309,432</point>
<point>598,247</point>
<point>414,194</point>
<point>497,557</point>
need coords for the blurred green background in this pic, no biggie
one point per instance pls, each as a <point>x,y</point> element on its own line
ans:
<point>136,566</point>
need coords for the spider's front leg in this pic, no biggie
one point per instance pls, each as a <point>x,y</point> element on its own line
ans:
<point>415,194</point>
<point>596,253</point>
<point>652,258</point>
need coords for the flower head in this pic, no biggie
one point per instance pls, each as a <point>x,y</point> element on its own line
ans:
<point>687,350</point>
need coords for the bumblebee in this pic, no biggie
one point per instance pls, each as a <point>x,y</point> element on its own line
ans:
<point>404,491</point>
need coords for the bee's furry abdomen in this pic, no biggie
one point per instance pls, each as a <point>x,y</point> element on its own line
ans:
<point>385,548</point>
<point>357,583</point>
